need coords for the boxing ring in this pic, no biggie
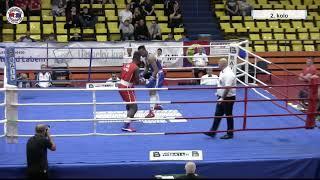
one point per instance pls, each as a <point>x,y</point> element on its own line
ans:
<point>271,139</point>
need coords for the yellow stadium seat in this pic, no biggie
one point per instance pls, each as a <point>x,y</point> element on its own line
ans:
<point>297,24</point>
<point>315,36</point>
<point>313,13</point>
<point>47,28</point>
<point>21,28</point>
<point>237,25</point>
<point>34,18</point>
<point>96,6</point>
<point>308,2</point>
<point>159,13</point>
<point>285,25</point>
<point>112,18</point>
<point>119,2</point>
<point>159,6</point>
<point>318,24</point>
<point>285,2</point>
<point>100,28</point>
<point>290,7</point>
<point>150,18</point>
<point>291,36</point>
<point>256,6</point>
<point>225,25</point>
<point>102,38</point>
<point>290,30</point>
<point>164,28</point>
<point>109,6</point>
<point>313,6</point>
<point>303,36</point>
<point>225,18</point>
<point>162,18</point>
<point>296,2</point>
<point>314,30</point>
<point>220,13</point>
<point>264,2</point>
<point>301,7</point>
<point>75,30</point>
<point>47,18</point>
<point>178,30</point>
<point>284,48</point>
<point>36,37</point>
<point>305,30</point>
<point>249,24</point>
<point>35,28</point>
<point>278,6</point>
<point>266,36</point>
<point>84,5</point>
<point>230,30</point>
<point>46,4</point>
<point>60,28</point>
<point>248,18</point>
<point>177,37</point>
<point>236,18</point>
<point>219,6</point>
<point>101,19</point>
<point>62,38</point>
<point>259,48</point>
<point>121,6</point>
<point>297,47</point>
<point>274,24</point>
<point>109,13</point>
<point>18,36</point>
<point>46,12</point>
<point>60,18</point>
<point>254,37</point>
<point>309,48</point>
<point>272,47</point>
<point>279,36</point>
<point>261,24</point>
<point>115,37</point>
<point>164,37</point>
<point>7,38</point>
<point>7,31</point>
<point>241,30</point>
<point>88,31</point>
<point>266,29</point>
<point>278,30</point>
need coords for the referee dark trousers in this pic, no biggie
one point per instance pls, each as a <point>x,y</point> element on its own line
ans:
<point>224,108</point>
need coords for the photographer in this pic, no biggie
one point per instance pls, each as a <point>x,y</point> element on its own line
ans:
<point>37,152</point>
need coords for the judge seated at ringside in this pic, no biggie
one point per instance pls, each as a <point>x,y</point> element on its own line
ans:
<point>44,78</point>
<point>209,79</point>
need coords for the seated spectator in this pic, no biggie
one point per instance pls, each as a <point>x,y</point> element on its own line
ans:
<point>60,10</point>
<point>232,8</point>
<point>127,30</point>
<point>308,73</point>
<point>175,18</point>
<point>35,7</point>
<point>109,2</point>
<point>76,37</point>
<point>125,14</point>
<point>154,31</point>
<point>128,56</point>
<point>23,81</point>
<point>159,56</point>
<point>114,78</point>
<point>244,8</point>
<point>200,59</point>
<point>26,38</point>
<point>44,78</point>
<point>73,3</point>
<point>169,6</point>
<point>190,169</point>
<point>51,38</point>
<point>88,19</point>
<point>73,19</point>
<point>136,17</point>
<point>141,31</point>
<point>170,37</point>
<point>184,37</point>
<point>3,8</point>
<point>209,79</point>
<point>134,4</point>
<point>148,8</point>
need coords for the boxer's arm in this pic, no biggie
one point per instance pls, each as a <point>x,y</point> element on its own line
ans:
<point>152,62</point>
<point>137,76</point>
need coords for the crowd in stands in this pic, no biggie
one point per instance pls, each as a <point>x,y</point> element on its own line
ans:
<point>238,8</point>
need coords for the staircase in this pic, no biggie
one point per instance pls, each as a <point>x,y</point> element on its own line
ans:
<point>198,19</point>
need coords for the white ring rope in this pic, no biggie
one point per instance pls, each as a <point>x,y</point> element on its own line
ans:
<point>90,103</point>
<point>97,134</point>
<point>83,89</point>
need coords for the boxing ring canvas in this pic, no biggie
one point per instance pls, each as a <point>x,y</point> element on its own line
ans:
<point>251,154</point>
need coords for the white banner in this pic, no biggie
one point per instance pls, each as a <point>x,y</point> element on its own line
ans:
<point>177,155</point>
<point>31,56</point>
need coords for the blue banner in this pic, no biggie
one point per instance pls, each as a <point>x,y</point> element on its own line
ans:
<point>11,66</point>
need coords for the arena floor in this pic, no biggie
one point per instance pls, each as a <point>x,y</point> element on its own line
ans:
<point>248,155</point>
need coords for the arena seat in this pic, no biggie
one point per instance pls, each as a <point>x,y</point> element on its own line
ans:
<point>62,38</point>
<point>35,28</point>
<point>47,28</point>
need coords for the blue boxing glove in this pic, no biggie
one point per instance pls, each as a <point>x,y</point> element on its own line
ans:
<point>151,82</point>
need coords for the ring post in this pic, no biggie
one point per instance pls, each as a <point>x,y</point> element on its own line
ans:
<point>11,97</point>
<point>233,57</point>
<point>312,105</point>
<point>245,108</point>
<point>94,99</point>
<point>90,66</point>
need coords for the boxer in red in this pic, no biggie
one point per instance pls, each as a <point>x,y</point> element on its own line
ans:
<point>129,77</point>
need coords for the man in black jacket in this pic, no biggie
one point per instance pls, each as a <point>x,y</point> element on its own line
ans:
<point>37,152</point>
<point>190,168</point>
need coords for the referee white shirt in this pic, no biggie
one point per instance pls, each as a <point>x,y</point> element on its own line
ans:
<point>227,78</point>
<point>200,59</point>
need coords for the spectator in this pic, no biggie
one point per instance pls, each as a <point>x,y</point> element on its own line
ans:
<point>109,2</point>
<point>209,79</point>
<point>244,8</point>
<point>141,31</point>
<point>73,19</point>
<point>169,6</point>
<point>44,78</point>
<point>51,38</point>
<point>76,37</point>
<point>35,7</point>
<point>127,57</point>
<point>136,17</point>
<point>184,37</point>
<point>60,10</point>
<point>114,78</point>
<point>155,31</point>
<point>308,73</point>
<point>134,4</point>
<point>3,8</point>
<point>26,38</point>
<point>200,59</point>
<point>37,146</point>
<point>125,14</point>
<point>190,169</point>
<point>148,8</point>
<point>159,56</point>
<point>127,30</point>
<point>232,8</point>
<point>23,81</point>
<point>175,18</point>
<point>87,19</point>
<point>73,3</point>
<point>170,37</point>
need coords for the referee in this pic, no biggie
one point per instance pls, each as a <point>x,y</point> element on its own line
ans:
<point>226,79</point>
